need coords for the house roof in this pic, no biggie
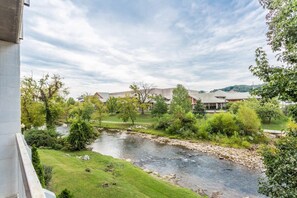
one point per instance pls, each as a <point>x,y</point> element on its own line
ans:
<point>103,96</point>
<point>206,97</point>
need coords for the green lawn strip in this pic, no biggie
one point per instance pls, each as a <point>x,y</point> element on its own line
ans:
<point>280,124</point>
<point>109,177</point>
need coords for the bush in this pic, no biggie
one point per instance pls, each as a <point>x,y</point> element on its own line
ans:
<point>37,166</point>
<point>163,123</point>
<point>280,163</point>
<point>48,170</point>
<point>183,124</point>
<point>65,194</point>
<point>222,123</point>
<point>81,133</point>
<point>46,138</point>
<point>249,120</point>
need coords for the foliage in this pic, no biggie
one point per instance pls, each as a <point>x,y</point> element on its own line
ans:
<point>48,91</point>
<point>44,138</point>
<point>31,109</point>
<point>163,122</point>
<point>99,109</point>
<point>112,105</point>
<point>81,133</point>
<point>160,107</point>
<point>143,92</point>
<point>223,123</point>
<point>180,98</point>
<point>128,109</point>
<point>249,120</point>
<point>280,162</point>
<point>65,194</point>
<point>292,111</point>
<point>37,166</point>
<point>199,109</point>
<point>279,81</point>
<point>48,171</point>
<point>266,109</point>
<point>82,110</point>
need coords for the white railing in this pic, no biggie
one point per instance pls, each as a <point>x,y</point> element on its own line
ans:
<point>28,182</point>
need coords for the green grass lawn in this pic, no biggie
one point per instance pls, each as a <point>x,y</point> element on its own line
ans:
<point>146,118</point>
<point>280,124</point>
<point>109,177</point>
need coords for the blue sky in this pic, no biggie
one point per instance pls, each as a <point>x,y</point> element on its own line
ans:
<point>100,45</point>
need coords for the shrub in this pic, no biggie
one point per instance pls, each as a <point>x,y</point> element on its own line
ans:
<point>65,194</point>
<point>48,170</point>
<point>46,138</point>
<point>280,163</point>
<point>163,122</point>
<point>37,166</point>
<point>160,107</point>
<point>223,123</point>
<point>81,133</point>
<point>183,124</point>
<point>249,120</point>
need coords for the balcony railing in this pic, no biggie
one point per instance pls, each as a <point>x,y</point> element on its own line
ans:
<point>28,182</point>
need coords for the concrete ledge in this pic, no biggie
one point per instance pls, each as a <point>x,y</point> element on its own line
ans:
<point>30,180</point>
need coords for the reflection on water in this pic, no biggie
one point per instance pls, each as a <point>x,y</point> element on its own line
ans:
<point>193,169</point>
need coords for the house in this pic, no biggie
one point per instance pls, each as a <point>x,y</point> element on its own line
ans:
<point>212,101</point>
<point>18,177</point>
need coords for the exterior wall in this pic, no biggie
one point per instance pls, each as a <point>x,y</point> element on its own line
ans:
<point>9,116</point>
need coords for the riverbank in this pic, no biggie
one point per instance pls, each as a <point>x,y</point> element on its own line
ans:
<point>104,176</point>
<point>249,158</point>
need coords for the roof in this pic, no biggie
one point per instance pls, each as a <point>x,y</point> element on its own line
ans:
<point>103,96</point>
<point>206,97</point>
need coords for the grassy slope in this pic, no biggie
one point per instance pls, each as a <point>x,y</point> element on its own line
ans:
<point>69,172</point>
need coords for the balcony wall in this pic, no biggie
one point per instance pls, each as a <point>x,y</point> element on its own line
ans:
<point>9,116</point>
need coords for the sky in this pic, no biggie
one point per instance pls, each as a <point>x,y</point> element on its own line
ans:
<point>100,45</point>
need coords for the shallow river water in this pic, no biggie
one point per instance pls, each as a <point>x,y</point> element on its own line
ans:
<point>193,169</point>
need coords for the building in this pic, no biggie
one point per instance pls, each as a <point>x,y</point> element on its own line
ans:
<point>213,101</point>
<point>18,177</point>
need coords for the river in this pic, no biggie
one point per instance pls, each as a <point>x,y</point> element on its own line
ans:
<point>193,169</point>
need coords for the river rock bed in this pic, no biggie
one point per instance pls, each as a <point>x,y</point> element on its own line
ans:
<point>249,158</point>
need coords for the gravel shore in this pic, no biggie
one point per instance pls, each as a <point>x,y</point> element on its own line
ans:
<point>249,158</point>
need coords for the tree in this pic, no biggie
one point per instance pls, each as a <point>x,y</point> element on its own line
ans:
<point>31,109</point>
<point>81,134</point>
<point>280,163</point>
<point>37,166</point>
<point>82,110</point>
<point>249,120</point>
<point>128,108</point>
<point>160,107</point>
<point>199,109</point>
<point>143,92</point>
<point>112,105</point>
<point>180,98</point>
<point>99,109</point>
<point>269,110</point>
<point>279,81</point>
<point>48,91</point>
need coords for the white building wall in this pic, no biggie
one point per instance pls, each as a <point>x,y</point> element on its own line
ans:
<point>9,116</point>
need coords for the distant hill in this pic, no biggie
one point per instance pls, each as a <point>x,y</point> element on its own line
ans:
<point>239,88</point>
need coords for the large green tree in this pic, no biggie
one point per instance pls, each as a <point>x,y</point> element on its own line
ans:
<point>112,105</point>
<point>143,92</point>
<point>49,91</point>
<point>280,80</point>
<point>160,107</point>
<point>180,98</point>
<point>128,108</point>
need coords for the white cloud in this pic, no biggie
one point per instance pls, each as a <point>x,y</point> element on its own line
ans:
<point>203,46</point>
